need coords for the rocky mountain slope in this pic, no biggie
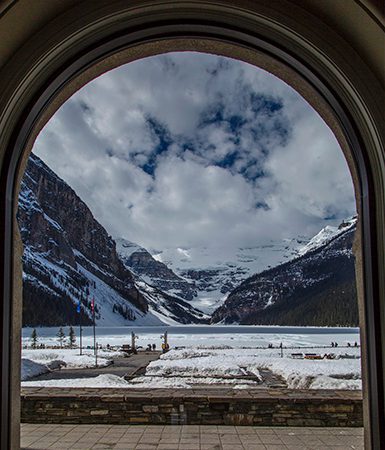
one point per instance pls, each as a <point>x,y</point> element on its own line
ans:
<point>216,271</point>
<point>317,288</point>
<point>69,256</point>
<point>142,264</point>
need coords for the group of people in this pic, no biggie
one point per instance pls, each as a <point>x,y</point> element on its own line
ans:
<point>152,347</point>
<point>335,344</point>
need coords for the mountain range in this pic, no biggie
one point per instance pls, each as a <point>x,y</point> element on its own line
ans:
<point>317,288</point>
<point>69,257</point>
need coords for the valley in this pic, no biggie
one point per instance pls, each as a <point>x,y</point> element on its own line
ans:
<point>70,259</point>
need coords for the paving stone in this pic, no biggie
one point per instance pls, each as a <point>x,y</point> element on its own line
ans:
<point>245,431</point>
<point>262,430</point>
<point>154,428</point>
<point>299,445</point>
<point>275,447</point>
<point>232,447</point>
<point>270,439</point>
<point>250,439</point>
<point>125,447</point>
<point>61,437</point>
<point>190,437</point>
<point>145,446</point>
<point>149,440</point>
<point>167,447</point>
<point>227,429</point>
<point>169,440</point>
<point>230,439</point>
<point>254,447</point>
<point>189,442</point>
<point>210,439</point>
<point>189,446</point>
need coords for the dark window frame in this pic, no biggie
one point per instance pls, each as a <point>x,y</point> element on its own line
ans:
<point>200,29</point>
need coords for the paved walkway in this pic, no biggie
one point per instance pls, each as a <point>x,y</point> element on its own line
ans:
<point>133,364</point>
<point>187,437</point>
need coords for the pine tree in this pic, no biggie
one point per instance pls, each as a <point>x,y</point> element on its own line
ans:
<point>34,338</point>
<point>61,336</point>
<point>71,337</point>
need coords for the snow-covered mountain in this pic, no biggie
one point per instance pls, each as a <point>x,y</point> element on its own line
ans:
<point>317,288</point>
<point>68,256</point>
<point>326,235</point>
<point>216,271</point>
<point>140,262</point>
<point>167,294</point>
<point>204,276</point>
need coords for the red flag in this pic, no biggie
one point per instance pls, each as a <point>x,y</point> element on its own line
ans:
<point>92,305</point>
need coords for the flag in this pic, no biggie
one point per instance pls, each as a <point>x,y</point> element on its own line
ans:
<point>78,307</point>
<point>93,305</point>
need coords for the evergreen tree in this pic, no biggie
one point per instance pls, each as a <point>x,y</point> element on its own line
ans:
<point>71,337</point>
<point>34,338</point>
<point>61,336</point>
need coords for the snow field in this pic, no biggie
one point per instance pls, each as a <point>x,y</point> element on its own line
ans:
<point>110,380</point>
<point>187,368</point>
<point>225,364</point>
<point>336,373</point>
<point>207,359</point>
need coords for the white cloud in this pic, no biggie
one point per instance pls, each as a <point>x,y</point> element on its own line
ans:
<point>150,148</point>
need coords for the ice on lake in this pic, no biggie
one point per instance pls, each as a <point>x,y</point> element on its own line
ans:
<point>199,335</point>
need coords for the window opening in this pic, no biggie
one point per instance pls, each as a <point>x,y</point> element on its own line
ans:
<point>196,190</point>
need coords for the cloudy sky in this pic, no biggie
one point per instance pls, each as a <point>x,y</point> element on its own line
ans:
<point>188,149</point>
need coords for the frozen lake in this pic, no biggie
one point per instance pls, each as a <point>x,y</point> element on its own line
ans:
<point>215,355</point>
<point>207,335</point>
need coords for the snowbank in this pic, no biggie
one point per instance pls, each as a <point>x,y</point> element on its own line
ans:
<point>70,357</point>
<point>229,363</point>
<point>107,380</point>
<point>38,361</point>
<point>189,382</point>
<point>110,380</point>
<point>204,363</point>
<point>30,369</point>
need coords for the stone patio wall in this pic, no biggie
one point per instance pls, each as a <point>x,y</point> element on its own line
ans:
<point>264,407</point>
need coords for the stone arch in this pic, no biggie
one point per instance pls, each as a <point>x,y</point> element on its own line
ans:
<point>286,38</point>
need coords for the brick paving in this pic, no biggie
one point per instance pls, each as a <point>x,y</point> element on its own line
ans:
<point>187,437</point>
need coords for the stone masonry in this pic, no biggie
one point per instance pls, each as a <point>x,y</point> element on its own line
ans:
<point>215,406</point>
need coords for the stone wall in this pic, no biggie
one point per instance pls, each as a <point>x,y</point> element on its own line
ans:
<point>264,407</point>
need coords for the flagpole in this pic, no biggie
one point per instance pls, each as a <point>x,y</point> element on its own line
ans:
<point>80,331</point>
<point>79,311</point>
<point>93,314</point>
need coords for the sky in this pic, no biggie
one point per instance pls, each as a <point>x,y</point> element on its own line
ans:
<point>196,150</point>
